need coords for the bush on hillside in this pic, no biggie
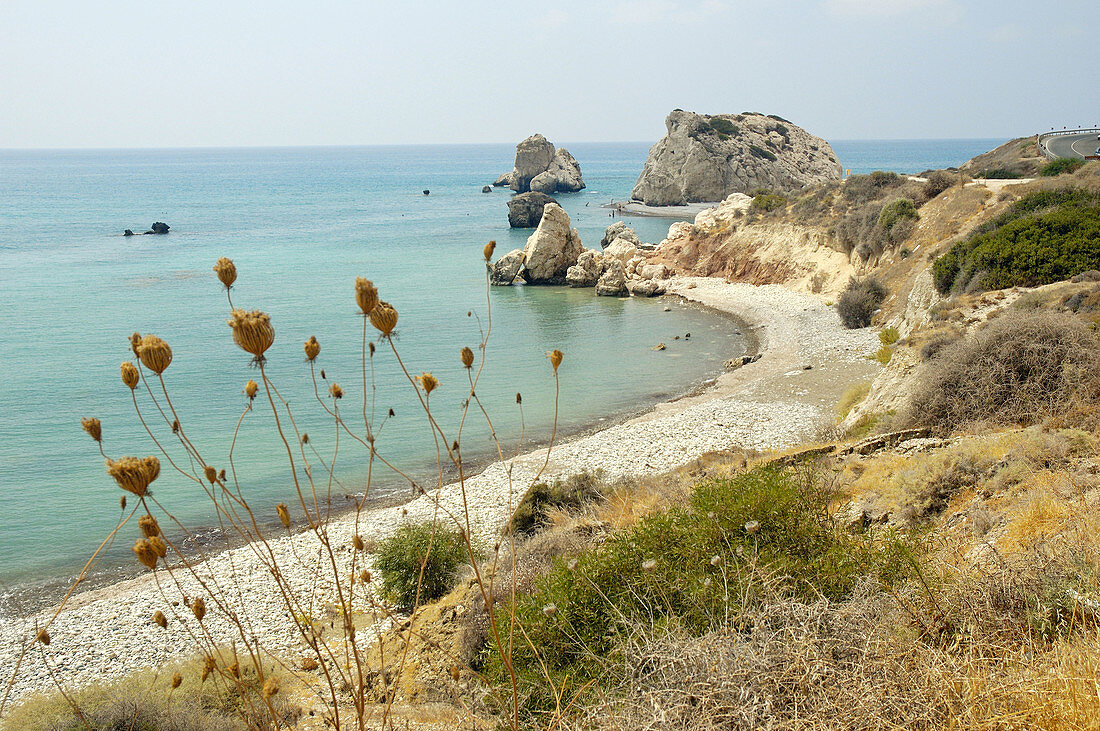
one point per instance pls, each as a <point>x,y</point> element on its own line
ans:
<point>895,212</point>
<point>937,182</point>
<point>1044,237</point>
<point>1060,166</point>
<point>724,127</point>
<point>543,497</point>
<point>862,188</point>
<point>767,202</point>
<point>761,152</point>
<point>1017,369</point>
<point>859,300</point>
<point>999,174</point>
<point>415,548</point>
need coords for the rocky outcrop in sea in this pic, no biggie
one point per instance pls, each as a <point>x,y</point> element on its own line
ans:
<point>704,158</point>
<point>542,168</point>
<point>525,209</point>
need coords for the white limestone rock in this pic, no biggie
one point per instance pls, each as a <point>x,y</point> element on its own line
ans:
<point>552,249</point>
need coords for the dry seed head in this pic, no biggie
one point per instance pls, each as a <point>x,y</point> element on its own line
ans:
<point>308,663</point>
<point>428,382</point>
<point>305,437</point>
<point>133,474</point>
<point>550,609</point>
<point>715,560</point>
<point>556,357</point>
<point>209,665</point>
<point>135,341</point>
<point>384,318</point>
<point>312,348</point>
<point>227,271</point>
<point>158,545</point>
<point>211,474</point>
<point>488,250</point>
<point>467,357</point>
<point>93,427</point>
<point>176,426</point>
<point>177,680</point>
<point>271,687</point>
<point>145,553</point>
<point>154,354</point>
<point>571,564</point>
<point>335,391</point>
<point>519,397</point>
<point>365,576</point>
<point>43,636</point>
<point>649,565</point>
<point>366,295</point>
<point>284,514</point>
<point>198,608</point>
<point>221,475</point>
<point>235,669</point>
<point>370,349</point>
<point>252,331</point>
<point>149,526</point>
<point>160,620</point>
<point>456,673</point>
<point>358,543</point>
<point>251,389</point>
<point>122,502</point>
<point>752,526</point>
<point>129,374</point>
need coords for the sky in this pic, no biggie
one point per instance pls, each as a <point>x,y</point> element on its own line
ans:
<point>154,73</point>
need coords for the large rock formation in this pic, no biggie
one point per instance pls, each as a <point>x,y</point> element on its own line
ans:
<point>541,168</point>
<point>506,268</point>
<point>589,268</point>
<point>705,158</point>
<point>525,209</point>
<point>552,249</point>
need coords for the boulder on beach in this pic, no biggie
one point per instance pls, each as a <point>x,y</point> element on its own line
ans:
<point>612,282</point>
<point>552,248</point>
<point>505,270</point>
<point>646,288</point>
<point>525,209</point>
<point>704,158</point>
<point>542,168</point>
<point>587,271</point>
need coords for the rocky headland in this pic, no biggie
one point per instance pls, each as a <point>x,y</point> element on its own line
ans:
<point>708,157</point>
<point>542,168</point>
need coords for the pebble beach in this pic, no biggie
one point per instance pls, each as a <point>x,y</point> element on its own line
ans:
<point>807,360</point>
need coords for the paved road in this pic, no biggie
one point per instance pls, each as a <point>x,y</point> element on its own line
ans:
<point>1073,145</point>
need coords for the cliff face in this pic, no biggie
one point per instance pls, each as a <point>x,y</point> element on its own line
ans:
<point>706,158</point>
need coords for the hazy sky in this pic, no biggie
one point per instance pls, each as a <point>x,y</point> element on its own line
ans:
<point>151,73</point>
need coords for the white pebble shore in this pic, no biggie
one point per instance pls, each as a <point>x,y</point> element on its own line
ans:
<point>108,633</point>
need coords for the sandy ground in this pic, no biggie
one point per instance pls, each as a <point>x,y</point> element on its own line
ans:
<point>807,360</point>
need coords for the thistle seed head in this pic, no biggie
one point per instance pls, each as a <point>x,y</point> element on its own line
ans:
<point>221,475</point>
<point>252,331</point>
<point>198,608</point>
<point>428,382</point>
<point>158,545</point>
<point>209,665</point>
<point>211,474</point>
<point>752,527</point>
<point>133,474</point>
<point>519,397</point>
<point>715,560</point>
<point>122,502</point>
<point>177,680</point>
<point>550,609</point>
<point>226,270</point>
<point>467,357</point>
<point>649,565</point>
<point>43,636</point>
<point>149,526</point>
<point>365,576</point>
<point>154,354</point>
<point>366,295</point>
<point>309,664</point>
<point>384,318</point>
<point>335,391</point>
<point>357,541</point>
<point>251,389</point>
<point>488,250</point>
<point>160,620</point>
<point>370,349</point>
<point>284,514</point>
<point>271,687</point>
<point>312,348</point>
<point>129,374</point>
<point>305,437</point>
<point>93,427</point>
<point>145,553</point>
<point>556,357</point>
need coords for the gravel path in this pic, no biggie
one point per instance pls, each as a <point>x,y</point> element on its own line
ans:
<point>784,398</point>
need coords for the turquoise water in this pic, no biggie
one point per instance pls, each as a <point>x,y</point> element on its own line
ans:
<point>300,224</point>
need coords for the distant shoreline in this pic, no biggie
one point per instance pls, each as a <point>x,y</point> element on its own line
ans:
<point>686,212</point>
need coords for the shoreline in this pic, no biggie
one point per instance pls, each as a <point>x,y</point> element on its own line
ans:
<point>685,212</point>
<point>775,402</point>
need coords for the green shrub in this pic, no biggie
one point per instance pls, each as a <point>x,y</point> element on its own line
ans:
<point>1044,237</point>
<point>884,354</point>
<point>1060,166</point>
<point>724,127</point>
<point>937,182</point>
<point>862,188</point>
<point>416,549</point>
<point>999,174</point>
<point>859,300</point>
<point>697,565</point>
<point>761,152</point>
<point>889,335</point>
<point>572,492</point>
<point>895,211</point>
<point>768,202</point>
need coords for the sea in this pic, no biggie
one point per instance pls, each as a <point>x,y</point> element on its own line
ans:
<point>301,224</point>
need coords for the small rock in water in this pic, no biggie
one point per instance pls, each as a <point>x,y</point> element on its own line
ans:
<point>687,337</point>
<point>127,232</point>
<point>675,337</point>
<point>659,346</point>
<point>427,192</point>
<point>486,189</point>
<point>668,309</point>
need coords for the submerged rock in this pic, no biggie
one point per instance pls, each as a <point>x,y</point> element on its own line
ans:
<point>525,209</point>
<point>705,158</point>
<point>552,248</point>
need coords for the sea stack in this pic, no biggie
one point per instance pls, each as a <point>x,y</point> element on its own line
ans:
<point>542,168</point>
<point>705,158</point>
